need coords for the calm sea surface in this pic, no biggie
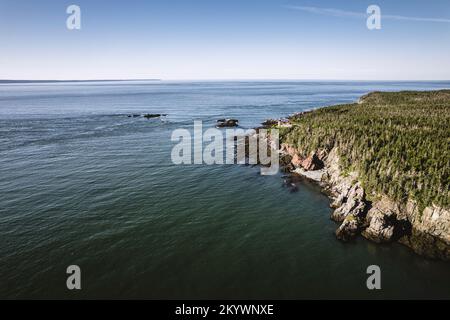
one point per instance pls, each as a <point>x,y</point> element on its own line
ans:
<point>81,183</point>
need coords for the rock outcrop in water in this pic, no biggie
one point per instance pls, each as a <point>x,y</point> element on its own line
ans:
<point>153,115</point>
<point>224,123</point>
<point>146,115</point>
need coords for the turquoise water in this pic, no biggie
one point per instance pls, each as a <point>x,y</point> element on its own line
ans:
<point>81,183</point>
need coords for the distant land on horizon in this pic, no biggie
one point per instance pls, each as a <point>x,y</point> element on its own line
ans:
<point>56,81</point>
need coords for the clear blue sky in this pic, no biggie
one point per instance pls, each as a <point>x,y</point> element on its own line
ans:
<point>225,39</point>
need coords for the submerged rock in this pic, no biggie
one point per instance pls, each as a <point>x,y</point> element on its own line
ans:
<point>293,187</point>
<point>291,182</point>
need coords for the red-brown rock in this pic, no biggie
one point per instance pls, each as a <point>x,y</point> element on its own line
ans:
<point>296,160</point>
<point>312,162</point>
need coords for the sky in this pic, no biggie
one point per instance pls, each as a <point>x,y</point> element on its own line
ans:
<point>225,39</point>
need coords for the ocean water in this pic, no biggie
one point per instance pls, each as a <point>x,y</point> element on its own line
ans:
<point>81,183</point>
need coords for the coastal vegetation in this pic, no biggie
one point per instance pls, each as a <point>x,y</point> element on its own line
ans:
<point>398,142</point>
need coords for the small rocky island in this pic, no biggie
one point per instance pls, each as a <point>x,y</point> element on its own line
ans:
<point>147,115</point>
<point>385,163</point>
<point>153,115</point>
<point>227,123</point>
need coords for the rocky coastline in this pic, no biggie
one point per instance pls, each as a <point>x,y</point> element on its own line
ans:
<point>377,218</point>
<point>381,220</point>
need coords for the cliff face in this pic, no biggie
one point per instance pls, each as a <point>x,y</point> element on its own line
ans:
<point>381,220</point>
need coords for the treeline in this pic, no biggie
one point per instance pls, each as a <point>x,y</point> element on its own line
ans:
<point>398,142</point>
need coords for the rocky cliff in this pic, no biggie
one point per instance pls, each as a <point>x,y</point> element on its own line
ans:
<point>375,217</point>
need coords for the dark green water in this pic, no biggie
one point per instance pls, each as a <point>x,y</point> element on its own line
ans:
<point>81,183</point>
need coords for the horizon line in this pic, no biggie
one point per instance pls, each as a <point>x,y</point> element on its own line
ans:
<point>12,81</point>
